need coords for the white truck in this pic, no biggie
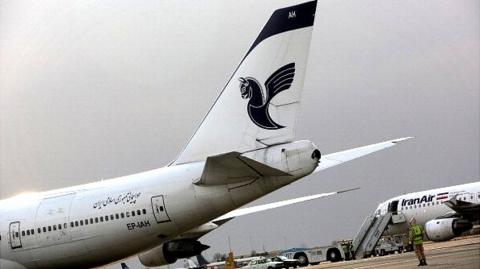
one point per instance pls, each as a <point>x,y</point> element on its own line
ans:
<point>385,247</point>
<point>262,263</point>
<point>313,256</point>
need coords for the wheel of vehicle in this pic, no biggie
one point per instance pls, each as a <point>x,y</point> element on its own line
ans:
<point>270,267</point>
<point>382,252</point>
<point>302,259</point>
<point>334,255</point>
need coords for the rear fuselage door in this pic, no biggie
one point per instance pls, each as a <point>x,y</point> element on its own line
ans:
<point>159,209</point>
<point>14,231</point>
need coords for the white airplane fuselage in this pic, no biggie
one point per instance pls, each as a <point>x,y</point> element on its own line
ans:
<point>124,215</point>
<point>427,205</point>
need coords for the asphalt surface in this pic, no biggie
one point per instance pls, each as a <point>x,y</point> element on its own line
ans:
<point>461,253</point>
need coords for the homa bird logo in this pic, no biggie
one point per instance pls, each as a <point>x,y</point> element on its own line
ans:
<point>257,107</point>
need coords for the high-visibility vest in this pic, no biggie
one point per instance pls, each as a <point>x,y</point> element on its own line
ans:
<point>417,234</point>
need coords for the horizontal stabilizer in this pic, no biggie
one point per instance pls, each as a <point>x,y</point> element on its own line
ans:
<point>260,208</point>
<point>337,158</point>
<point>202,230</point>
<point>232,167</point>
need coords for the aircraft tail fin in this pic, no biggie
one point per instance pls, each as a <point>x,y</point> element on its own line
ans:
<point>258,105</point>
<point>201,260</point>
<point>189,263</point>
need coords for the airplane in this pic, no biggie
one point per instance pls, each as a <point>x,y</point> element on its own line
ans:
<point>444,212</point>
<point>243,149</point>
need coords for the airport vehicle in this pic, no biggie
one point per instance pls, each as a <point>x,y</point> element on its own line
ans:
<point>385,247</point>
<point>313,256</point>
<point>263,263</point>
<point>444,212</point>
<point>243,149</point>
<point>286,262</point>
<point>403,242</point>
<point>238,262</point>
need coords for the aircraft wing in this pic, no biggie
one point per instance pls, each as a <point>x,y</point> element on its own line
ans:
<point>210,226</point>
<point>337,158</point>
<point>466,210</point>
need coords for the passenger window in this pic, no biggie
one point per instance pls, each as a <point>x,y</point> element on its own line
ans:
<point>39,230</point>
<point>54,227</point>
<point>133,213</point>
<point>91,220</point>
<point>116,216</point>
<point>28,232</point>
<point>139,212</point>
<point>127,214</point>
<point>71,224</point>
<point>101,219</point>
<point>81,223</point>
<point>86,222</point>
<point>59,226</point>
<point>122,215</point>
<point>106,218</point>
<point>65,226</point>
<point>144,211</point>
<point>76,223</point>
<point>44,229</point>
<point>161,208</point>
<point>96,219</point>
<point>32,231</point>
<point>111,217</point>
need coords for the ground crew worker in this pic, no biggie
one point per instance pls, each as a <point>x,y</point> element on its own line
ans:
<point>350,250</point>
<point>416,237</point>
<point>345,250</point>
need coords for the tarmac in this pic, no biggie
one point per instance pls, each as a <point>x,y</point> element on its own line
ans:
<point>461,253</point>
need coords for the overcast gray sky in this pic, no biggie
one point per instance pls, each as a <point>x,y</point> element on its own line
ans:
<point>100,89</point>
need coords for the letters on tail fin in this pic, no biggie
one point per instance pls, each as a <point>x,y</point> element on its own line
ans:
<point>246,115</point>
